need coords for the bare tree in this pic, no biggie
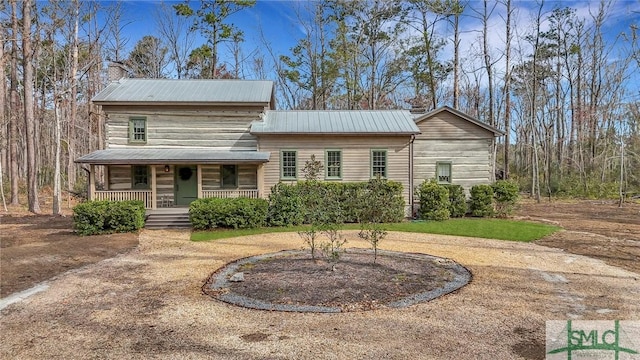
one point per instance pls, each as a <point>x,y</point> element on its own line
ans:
<point>174,33</point>
<point>29,116</point>
<point>13,107</point>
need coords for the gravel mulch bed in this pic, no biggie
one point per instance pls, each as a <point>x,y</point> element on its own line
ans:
<point>294,281</point>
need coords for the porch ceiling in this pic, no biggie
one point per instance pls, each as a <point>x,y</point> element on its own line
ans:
<point>172,156</point>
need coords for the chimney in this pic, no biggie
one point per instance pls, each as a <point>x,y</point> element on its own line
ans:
<point>116,71</point>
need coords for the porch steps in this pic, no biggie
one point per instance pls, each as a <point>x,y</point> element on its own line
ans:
<point>167,218</point>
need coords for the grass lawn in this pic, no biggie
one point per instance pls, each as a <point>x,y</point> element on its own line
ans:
<point>473,227</point>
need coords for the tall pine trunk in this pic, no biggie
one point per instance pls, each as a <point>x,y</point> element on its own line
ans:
<point>29,116</point>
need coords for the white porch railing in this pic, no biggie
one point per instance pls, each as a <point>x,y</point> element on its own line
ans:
<point>142,195</point>
<point>225,194</point>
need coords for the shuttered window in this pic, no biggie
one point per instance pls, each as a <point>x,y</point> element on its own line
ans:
<point>333,159</point>
<point>443,172</point>
<point>379,163</point>
<point>288,161</point>
<point>138,130</point>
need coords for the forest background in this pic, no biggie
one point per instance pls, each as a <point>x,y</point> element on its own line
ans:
<point>560,78</point>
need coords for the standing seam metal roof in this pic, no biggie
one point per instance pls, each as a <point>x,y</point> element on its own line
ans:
<point>336,122</point>
<point>195,91</point>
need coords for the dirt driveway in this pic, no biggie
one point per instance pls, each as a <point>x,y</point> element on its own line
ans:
<point>148,304</point>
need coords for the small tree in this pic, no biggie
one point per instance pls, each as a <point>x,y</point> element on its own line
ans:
<point>374,210</point>
<point>434,201</point>
<point>312,168</point>
<point>329,220</point>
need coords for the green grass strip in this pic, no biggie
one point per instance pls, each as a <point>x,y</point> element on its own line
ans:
<point>499,229</point>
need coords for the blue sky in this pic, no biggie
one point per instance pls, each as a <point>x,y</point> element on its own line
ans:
<point>277,19</point>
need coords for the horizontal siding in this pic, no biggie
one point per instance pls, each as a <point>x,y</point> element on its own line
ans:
<point>470,160</point>
<point>164,184</point>
<point>356,156</point>
<point>220,131</point>
<point>247,177</point>
<point>445,125</point>
<point>120,177</point>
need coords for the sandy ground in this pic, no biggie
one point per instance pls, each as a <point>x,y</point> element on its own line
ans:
<point>148,303</point>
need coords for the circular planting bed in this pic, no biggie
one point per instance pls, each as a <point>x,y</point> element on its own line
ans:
<point>293,281</point>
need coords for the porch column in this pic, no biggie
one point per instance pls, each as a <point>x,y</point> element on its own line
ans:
<point>106,177</point>
<point>154,188</point>
<point>260,181</point>
<point>92,182</point>
<point>199,174</point>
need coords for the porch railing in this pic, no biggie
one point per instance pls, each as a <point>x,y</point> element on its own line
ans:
<point>142,195</point>
<point>225,194</point>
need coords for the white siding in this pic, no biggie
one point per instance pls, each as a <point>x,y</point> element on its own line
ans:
<point>356,156</point>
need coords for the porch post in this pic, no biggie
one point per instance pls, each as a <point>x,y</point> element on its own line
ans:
<point>154,188</point>
<point>106,177</point>
<point>199,173</point>
<point>92,182</point>
<point>260,184</point>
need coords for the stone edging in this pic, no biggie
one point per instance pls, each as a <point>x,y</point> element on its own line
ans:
<point>219,283</point>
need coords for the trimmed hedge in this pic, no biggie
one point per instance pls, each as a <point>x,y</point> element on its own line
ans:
<point>434,201</point>
<point>505,195</point>
<point>481,202</point>
<point>457,200</point>
<point>236,213</point>
<point>315,201</point>
<point>104,217</point>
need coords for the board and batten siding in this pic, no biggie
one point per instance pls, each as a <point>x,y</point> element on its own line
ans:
<point>446,137</point>
<point>221,130</point>
<point>356,156</point>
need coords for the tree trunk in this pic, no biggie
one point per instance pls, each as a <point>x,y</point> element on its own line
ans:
<point>29,116</point>
<point>73,106</point>
<point>13,107</point>
<point>507,93</point>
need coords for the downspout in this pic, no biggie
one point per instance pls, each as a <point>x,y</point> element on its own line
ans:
<point>413,137</point>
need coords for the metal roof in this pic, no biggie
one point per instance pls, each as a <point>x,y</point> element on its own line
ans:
<point>353,122</point>
<point>421,117</point>
<point>172,156</point>
<point>186,91</point>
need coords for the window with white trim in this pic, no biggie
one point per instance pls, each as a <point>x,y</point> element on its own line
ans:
<point>379,163</point>
<point>333,159</point>
<point>443,172</point>
<point>288,163</point>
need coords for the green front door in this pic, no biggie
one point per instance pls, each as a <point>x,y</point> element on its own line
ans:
<point>186,184</point>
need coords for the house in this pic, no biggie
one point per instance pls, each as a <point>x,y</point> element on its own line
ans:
<point>172,141</point>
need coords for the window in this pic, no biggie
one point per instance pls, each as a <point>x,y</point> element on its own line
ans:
<point>443,172</point>
<point>334,164</point>
<point>229,176</point>
<point>379,163</point>
<point>140,177</point>
<point>138,130</point>
<point>288,163</point>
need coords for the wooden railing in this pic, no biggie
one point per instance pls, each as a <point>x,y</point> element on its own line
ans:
<point>142,195</point>
<point>225,194</point>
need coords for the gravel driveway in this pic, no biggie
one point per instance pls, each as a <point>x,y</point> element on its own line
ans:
<point>148,303</point>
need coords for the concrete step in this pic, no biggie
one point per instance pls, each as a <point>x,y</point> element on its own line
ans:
<point>167,219</point>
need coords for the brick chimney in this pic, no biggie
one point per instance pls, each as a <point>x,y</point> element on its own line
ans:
<point>116,71</point>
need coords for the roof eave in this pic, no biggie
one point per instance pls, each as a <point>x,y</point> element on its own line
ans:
<point>258,133</point>
<point>180,103</point>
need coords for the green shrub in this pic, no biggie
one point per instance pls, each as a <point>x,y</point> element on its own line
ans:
<point>457,200</point>
<point>481,202</point>
<point>307,201</point>
<point>286,207</point>
<point>104,217</point>
<point>381,201</point>
<point>236,213</point>
<point>434,201</point>
<point>505,194</point>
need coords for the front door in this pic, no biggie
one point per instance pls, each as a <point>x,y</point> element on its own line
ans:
<point>186,184</point>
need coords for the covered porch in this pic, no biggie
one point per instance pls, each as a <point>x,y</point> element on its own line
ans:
<point>168,178</point>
